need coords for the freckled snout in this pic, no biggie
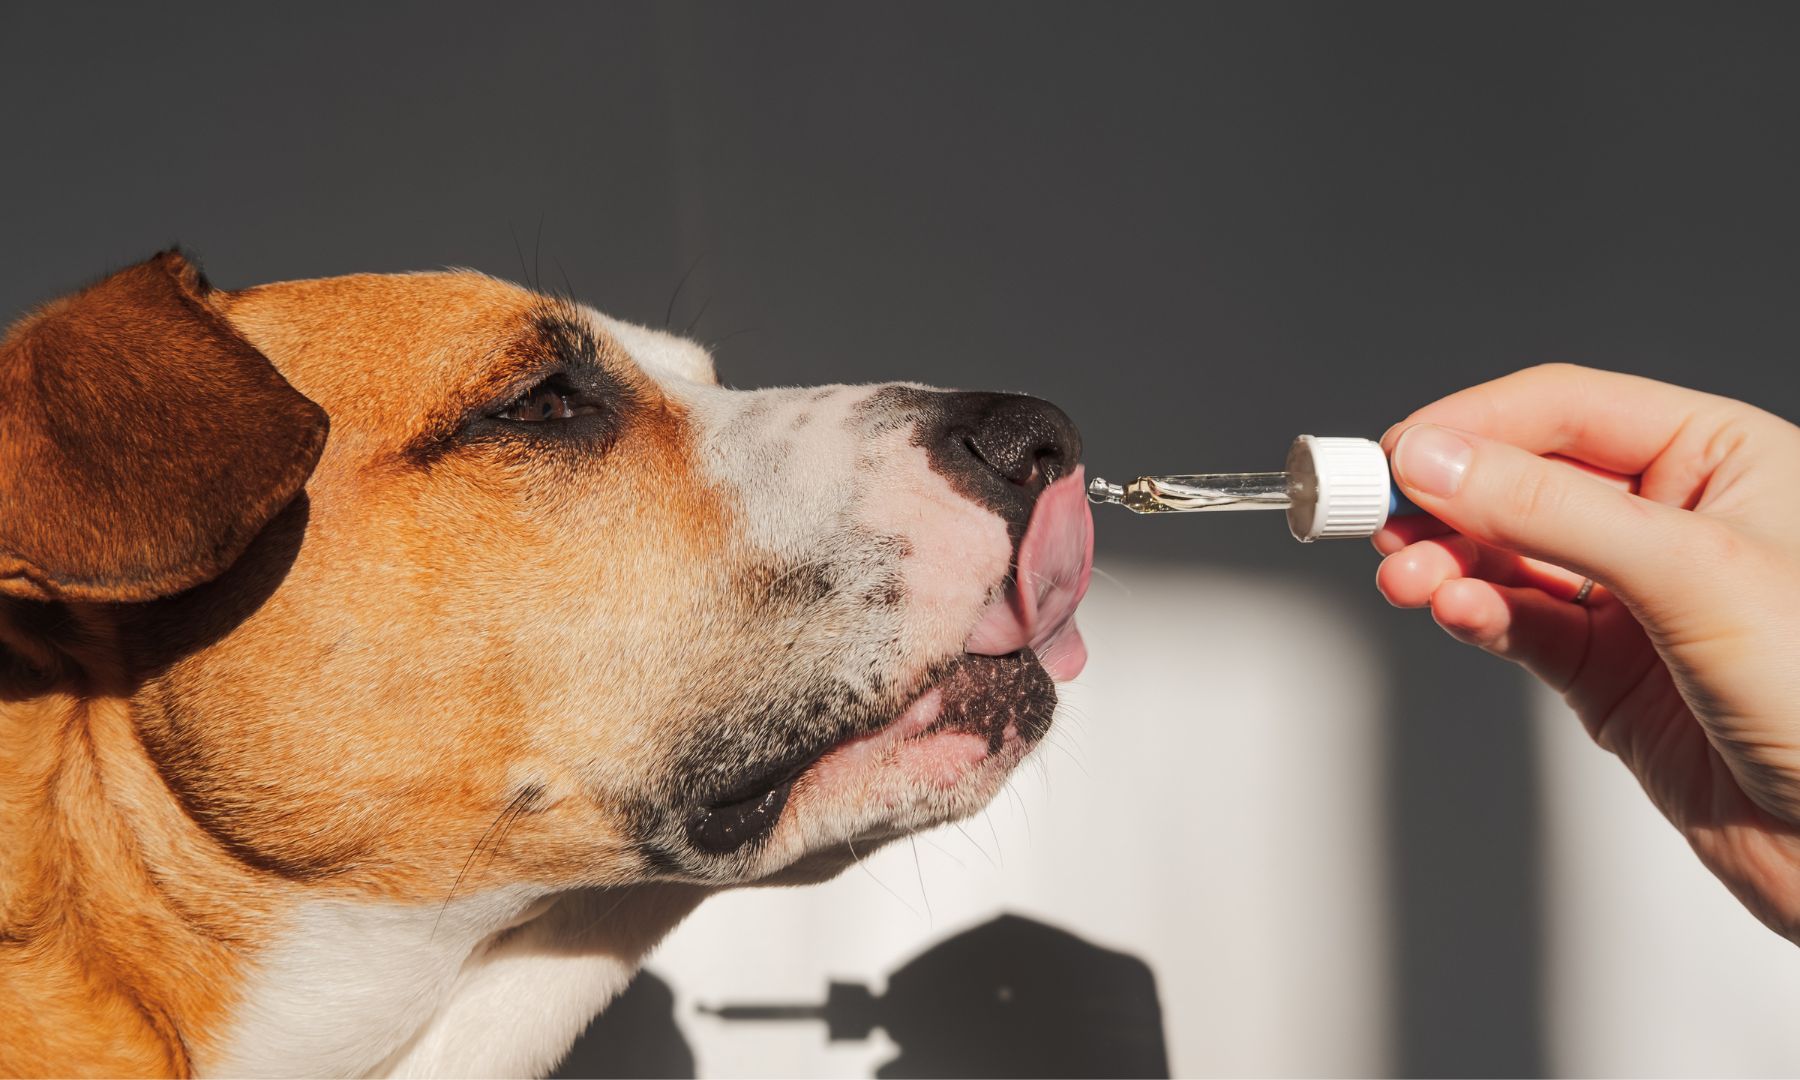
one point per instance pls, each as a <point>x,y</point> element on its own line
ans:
<point>1019,457</point>
<point>1016,457</point>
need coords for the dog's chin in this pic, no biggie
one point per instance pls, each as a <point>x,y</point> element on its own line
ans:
<point>944,757</point>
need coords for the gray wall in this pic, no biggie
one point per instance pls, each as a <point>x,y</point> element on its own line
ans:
<point>1202,228</point>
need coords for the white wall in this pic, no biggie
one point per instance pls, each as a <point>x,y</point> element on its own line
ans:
<point>1206,804</point>
<point>1200,805</point>
<point>1654,969</point>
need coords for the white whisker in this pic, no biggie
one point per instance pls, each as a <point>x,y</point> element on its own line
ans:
<point>884,885</point>
<point>1114,581</point>
<point>919,869</point>
<point>945,852</point>
<point>978,847</point>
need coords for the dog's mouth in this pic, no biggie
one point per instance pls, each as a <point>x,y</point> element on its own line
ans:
<point>996,699</point>
<point>1000,690</point>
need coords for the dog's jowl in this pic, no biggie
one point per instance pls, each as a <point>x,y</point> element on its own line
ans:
<point>387,662</point>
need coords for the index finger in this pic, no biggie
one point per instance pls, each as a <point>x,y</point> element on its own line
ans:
<point>1616,422</point>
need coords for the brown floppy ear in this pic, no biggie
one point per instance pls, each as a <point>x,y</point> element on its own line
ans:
<point>143,441</point>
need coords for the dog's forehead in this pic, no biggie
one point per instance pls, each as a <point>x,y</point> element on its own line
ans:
<point>377,350</point>
<point>352,341</point>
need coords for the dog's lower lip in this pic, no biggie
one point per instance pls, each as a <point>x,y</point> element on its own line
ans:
<point>733,821</point>
<point>750,811</point>
<point>724,828</point>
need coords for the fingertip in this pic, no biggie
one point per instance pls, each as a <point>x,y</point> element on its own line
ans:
<point>1386,578</point>
<point>1392,434</point>
<point>1469,610</point>
<point>1384,582</point>
<point>1408,577</point>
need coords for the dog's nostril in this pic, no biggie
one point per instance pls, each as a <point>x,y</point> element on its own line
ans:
<point>975,451</point>
<point>1001,450</point>
<point>1020,469</point>
<point>1026,441</point>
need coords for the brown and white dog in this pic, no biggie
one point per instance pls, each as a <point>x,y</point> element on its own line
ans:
<point>393,752</point>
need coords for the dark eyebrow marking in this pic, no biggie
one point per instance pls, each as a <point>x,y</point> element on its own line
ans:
<point>569,342</point>
<point>554,339</point>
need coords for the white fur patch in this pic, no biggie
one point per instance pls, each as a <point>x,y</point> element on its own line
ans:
<point>662,356</point>
<point>348,981</point>
<point>500,987</point>
<point>520,1001</point>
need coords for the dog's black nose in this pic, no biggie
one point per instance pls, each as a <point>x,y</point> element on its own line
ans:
<point>1026,441</point>
<point>1000,449</point>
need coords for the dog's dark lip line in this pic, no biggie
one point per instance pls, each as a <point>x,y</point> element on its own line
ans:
<point>746,815</point>
<point>792,768</point>
<point>744,818</point>
<point>768,780</point>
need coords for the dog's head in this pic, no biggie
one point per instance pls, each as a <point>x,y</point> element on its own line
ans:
<point>550,605</point>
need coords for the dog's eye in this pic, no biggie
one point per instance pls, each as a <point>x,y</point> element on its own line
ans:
<point>553,399</point>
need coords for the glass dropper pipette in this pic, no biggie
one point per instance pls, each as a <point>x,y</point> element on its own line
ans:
<point>1332,488</point>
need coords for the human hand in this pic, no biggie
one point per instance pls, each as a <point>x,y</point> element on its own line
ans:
<point>1685,658</point>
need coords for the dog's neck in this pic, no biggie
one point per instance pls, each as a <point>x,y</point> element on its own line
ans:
<point>132,942</point>
<point>104,872</point>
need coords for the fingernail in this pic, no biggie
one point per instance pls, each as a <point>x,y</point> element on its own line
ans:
<point>1432,459</point>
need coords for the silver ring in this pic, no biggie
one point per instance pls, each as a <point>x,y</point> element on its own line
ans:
<point>1581,594</point>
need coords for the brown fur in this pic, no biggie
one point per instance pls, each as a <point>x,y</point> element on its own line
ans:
<point>175,793</point>
<point>145,442</point>
<point>242,678</point>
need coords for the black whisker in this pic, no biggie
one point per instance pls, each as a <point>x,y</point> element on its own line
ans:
<point>735,334</point>
<point>537,249</point>
<point>689,332</point>
<point>568,289</point>
<point>496,829</point>
<point>524,274</point>
<point>669,312</point>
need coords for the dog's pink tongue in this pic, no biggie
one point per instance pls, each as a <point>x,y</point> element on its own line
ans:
<point>1056,558</point>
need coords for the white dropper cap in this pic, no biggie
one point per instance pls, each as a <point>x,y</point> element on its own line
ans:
<point>1331,489</point>
<point>1338,488</point>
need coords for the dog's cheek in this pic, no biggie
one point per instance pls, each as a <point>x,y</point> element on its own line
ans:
<point>955,552</point>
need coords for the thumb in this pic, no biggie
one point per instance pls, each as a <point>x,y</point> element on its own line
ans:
<point>1510,498</point>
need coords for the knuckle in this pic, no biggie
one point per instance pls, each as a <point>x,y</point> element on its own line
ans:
<point>1556,371</point>
<point>1704,543</point>
<point>1691,565</point>
<point>1534,495</point>
<point>1727,439</point>
<point>1604,730</point>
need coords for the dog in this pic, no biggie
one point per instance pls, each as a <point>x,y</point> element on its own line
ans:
<point>387,662</point>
